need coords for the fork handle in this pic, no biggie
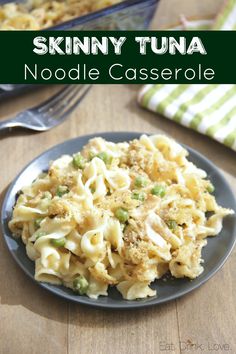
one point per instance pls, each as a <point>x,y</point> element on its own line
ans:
<point>9,123</point>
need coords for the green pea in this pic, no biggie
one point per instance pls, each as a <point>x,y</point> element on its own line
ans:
<point>172,224</point>
<point>91,155</point>
<point>58,242</point>
<point>37,222</point>
<point>92,189</point>
<point>138,196</point>
<point>47,195</point>
<point>122,214</point>
<point>39,234</point>
<point>104,157</point>
<point>80,285</point>
<point>61,190</point>
<point>140,182</point>
<point>78,161</point>
<point>158,190</point>
<point>210,188</point>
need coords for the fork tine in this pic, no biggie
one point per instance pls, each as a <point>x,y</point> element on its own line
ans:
<point>42,107</point>
<point>70,103</point>
<point>74,101</point>
<point>64,104</point>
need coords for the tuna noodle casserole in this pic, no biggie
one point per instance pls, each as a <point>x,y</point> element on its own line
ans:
<point>39,14</point>
<point>118,214</point>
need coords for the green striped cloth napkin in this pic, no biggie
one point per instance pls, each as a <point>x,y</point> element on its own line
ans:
<point>208,109</point>
<point>226,20</point>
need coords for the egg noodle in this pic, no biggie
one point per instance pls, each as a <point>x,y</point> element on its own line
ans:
<point>39,14</point>
<point>118,214</point>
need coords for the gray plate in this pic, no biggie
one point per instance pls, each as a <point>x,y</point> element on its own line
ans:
<point>214,254</point>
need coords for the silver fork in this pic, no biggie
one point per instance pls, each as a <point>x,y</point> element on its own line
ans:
<point>49,113</point>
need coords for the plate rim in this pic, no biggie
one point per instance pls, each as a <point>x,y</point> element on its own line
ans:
<point>134,303</point>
